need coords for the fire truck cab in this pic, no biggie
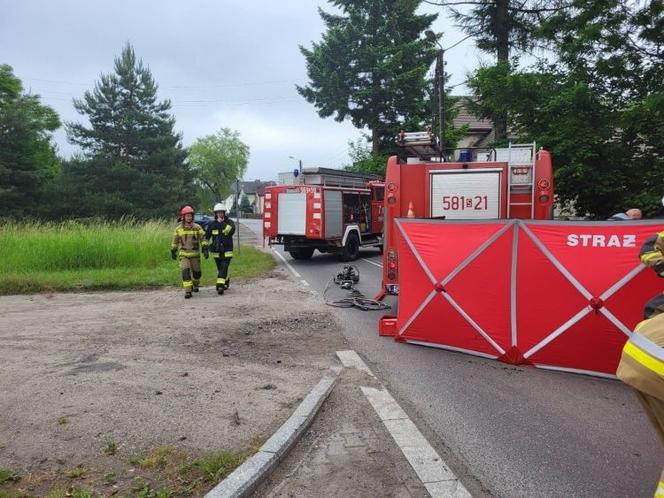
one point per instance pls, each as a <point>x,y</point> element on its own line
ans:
<point>511,182</point>
<point>331,211</point>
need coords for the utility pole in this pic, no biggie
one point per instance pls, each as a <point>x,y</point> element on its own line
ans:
<point>440,84</point>
<point>440,66</point>
<point>440,79</point>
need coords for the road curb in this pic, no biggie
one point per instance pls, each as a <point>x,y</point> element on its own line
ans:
<point>243,480</point>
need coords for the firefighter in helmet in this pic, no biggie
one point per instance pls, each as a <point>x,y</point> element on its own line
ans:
<point>188,240</point>
<point>642,362</point>
<point>220,235</point>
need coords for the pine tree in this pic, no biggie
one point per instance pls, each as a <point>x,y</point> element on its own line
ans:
<point>131,153</point>
<point>370,67</point>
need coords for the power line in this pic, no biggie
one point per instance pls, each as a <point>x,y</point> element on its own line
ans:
<point>63,96</point>
<point>173,87</point>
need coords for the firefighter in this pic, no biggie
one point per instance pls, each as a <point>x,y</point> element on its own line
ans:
<point>220,234</point>
<point>188,240</point>
<point>651,255</point>
<point>642,362</point>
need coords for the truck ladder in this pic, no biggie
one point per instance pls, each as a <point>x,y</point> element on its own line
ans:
<point>422,144</point>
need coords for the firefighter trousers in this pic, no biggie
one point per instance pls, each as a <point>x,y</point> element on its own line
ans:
<point>191,272</point>
<point>654,408</point>
<point>223,261</point>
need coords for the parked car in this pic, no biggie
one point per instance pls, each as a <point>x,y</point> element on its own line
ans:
<point>203,220</point>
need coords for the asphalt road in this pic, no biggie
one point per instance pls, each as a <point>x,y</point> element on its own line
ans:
<point>506,431</point>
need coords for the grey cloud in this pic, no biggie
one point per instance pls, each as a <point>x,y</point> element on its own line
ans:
<point>222,63</point>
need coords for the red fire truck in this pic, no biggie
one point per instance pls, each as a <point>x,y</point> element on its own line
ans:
<point>330,210</point>
<point>511,182</point>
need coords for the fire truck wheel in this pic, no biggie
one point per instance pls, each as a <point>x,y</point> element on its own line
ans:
<point>351,250</point>
<point>302,253</point>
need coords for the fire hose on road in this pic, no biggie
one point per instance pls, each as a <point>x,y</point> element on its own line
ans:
<point>346,279</point>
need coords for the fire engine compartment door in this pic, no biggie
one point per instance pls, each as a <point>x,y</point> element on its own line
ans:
<point>292,213</point>
<point>333,212</point>
<point>465,194</point>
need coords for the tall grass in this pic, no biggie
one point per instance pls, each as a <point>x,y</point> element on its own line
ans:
<point>73,246</point>
<point>71,255</point>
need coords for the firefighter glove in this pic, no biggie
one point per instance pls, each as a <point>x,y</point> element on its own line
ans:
<point>174,253</point>
<point>206,252</point>
<point>659,269</point>
<point>226,230</point>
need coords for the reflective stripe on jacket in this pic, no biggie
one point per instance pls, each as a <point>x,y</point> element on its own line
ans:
<point>188,240</point>
<point>642,362</point>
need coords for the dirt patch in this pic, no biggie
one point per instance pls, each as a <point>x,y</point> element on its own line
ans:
<point>97,381</point>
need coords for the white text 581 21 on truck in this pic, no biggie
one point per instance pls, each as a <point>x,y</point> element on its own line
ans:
<point>330,210</point>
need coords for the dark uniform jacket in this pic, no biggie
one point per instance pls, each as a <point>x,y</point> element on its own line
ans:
<point>220,235</point>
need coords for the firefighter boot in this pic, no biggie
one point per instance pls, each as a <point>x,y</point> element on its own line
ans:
<point>228,283</point>
<point>197,278</point>
<point>187,283</point>
<point>220,290</point>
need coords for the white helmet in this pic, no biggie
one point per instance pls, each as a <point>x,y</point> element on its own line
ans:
<point>219,207</point>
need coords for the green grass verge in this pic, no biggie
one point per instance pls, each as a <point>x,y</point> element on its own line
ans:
<point>8,475</point>
<point>46,257</point>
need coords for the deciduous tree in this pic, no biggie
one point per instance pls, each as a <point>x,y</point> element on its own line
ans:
<point>599,107</point>
<point>503,28</point>
<point>217,161</point>
<point>27,155</point>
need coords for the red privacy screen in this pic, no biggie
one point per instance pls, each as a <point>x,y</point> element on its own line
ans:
<point>562,295</point>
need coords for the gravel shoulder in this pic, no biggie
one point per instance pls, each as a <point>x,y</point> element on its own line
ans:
<point>147,371</point>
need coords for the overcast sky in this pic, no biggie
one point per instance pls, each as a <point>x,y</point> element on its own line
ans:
<point>222,63</point>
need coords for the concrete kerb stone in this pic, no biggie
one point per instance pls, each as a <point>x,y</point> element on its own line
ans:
<point>243,480</point>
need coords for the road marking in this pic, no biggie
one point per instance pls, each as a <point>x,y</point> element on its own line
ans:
<point>350,359</point>
<point>372,262</point>
<point>437,477</point>
<point>288,265</point>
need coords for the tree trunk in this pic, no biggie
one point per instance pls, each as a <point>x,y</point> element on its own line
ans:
<point>502,28</point>
<point>375,142</point>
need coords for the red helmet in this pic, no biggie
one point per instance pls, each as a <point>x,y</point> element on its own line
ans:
<point>186,210</point>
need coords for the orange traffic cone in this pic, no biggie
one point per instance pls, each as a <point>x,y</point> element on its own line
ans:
<point>411,211</point>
